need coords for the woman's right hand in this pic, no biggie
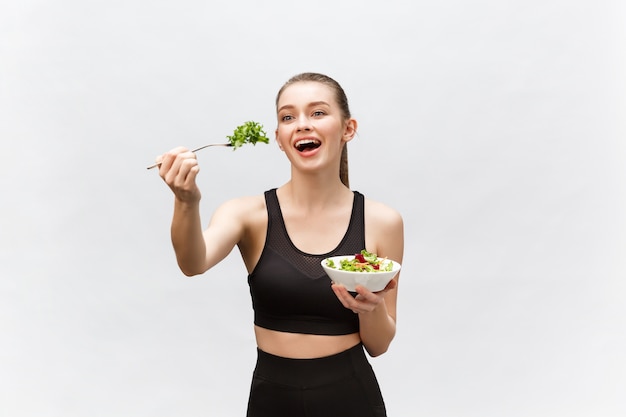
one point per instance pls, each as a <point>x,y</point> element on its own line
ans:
<point>179,168</point>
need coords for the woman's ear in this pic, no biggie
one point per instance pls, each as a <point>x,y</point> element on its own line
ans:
<point>276,140</point>
<point>350,130</point>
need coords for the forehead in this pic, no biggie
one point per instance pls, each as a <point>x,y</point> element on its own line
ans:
<point>303,92</point>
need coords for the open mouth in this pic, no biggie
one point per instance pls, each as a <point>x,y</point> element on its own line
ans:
<point>307,144</point>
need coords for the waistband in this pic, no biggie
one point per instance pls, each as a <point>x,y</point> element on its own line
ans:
<point>311,372</point>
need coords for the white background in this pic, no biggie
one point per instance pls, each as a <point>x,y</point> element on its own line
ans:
<point>495,127</point>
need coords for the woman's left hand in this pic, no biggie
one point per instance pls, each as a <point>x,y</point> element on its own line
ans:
<point>365,300</point>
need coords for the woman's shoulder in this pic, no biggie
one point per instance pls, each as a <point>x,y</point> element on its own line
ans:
<point>245,212</point>
<point>384,230</point>
<point>381,212</point>
<point>244,204</point>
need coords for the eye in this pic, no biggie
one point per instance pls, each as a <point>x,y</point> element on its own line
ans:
<point>318,113</point>
<point>286,118</point>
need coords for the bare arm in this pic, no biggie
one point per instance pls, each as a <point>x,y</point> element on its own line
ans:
<point>197,250</point>
<point>377,311</point>
<point>188,239</point>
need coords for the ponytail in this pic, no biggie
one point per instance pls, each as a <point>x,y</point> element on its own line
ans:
<point>343,166</point>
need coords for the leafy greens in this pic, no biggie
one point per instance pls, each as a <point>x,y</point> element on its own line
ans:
<point>362,262</point>
<point>249,132</point>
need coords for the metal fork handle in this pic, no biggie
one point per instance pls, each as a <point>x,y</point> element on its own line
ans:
<point>195,150</point>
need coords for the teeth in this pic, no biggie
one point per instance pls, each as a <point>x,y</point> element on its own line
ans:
<point>305,142</point>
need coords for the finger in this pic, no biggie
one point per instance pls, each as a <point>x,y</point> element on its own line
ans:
<point>366,295</point>
<point>172,153</point>
<point>372,296</point>
<point>185,166</point>
<point>167,169</point>
<point>173,166</point>
<point>193,173</point>
<point>343,295</point>
<point>165,163</point>
<point>350,302</point>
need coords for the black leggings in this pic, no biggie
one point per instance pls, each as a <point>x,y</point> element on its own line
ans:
<point>341,385</point>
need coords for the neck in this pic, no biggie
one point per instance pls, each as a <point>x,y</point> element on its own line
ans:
<point>314,189</point>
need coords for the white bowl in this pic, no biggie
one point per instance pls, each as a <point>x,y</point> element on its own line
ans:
<point>373,281</point>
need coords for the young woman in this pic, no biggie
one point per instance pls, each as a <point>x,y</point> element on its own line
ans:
<point>310,333</point>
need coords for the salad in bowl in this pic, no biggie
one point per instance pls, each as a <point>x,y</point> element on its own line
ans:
<point>364,268</point>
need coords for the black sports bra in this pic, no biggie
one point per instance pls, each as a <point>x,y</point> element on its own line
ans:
<point>290,290</point>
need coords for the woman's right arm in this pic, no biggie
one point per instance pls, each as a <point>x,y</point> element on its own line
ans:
<point>196,250</point>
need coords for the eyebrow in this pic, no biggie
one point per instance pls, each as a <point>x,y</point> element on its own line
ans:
<point>312,104</point>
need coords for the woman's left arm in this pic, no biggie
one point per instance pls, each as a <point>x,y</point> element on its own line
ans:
<point>377,311</point>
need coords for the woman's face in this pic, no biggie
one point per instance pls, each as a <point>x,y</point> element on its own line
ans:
<point>311,127</point>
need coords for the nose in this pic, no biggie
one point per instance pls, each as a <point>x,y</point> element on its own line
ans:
<point>304,124</point>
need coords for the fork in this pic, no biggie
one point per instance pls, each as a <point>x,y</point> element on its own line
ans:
<point>196,150</point>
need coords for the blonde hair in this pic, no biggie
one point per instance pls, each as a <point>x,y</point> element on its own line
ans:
<point>342,100</point>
